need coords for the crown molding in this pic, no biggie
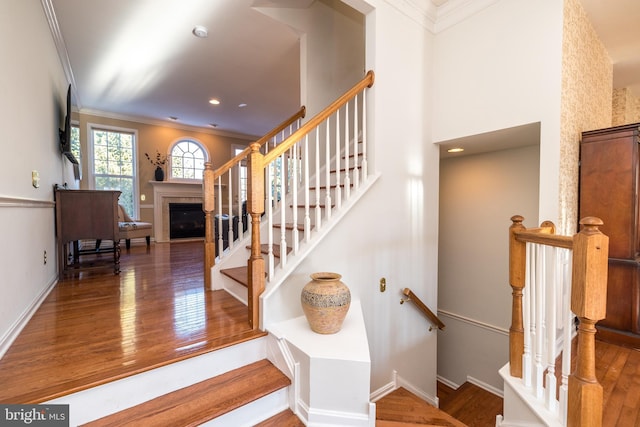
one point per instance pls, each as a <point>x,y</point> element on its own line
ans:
<point>424,12</point>
<point>61,46</point>
<point>168,124</point>
<point>453,12</point>
<point>438,15</point>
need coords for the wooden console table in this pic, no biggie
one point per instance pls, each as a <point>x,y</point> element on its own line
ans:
<point>86,214</point>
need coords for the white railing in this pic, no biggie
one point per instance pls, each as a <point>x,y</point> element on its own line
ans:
<point>548,326</point>
<point>312,178</point>
<point>555,280</point>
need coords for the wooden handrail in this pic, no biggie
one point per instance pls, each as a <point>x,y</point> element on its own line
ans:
<point>367,81</point>
<point>208,188</point>
<point>422,306</point>
<point>300,114</point>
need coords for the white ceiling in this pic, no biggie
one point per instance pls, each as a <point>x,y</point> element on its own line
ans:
<point>139,58</point>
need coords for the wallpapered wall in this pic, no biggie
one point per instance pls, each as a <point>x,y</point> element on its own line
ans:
<point>626,107</point>
<point>586,103</point>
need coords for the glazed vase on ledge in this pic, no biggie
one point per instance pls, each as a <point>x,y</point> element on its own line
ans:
<point>325,301</point>
<point>159,174</point>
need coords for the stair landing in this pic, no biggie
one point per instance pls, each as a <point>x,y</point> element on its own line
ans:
<point>403,408</point>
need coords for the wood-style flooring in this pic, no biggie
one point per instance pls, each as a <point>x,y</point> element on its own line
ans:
<point>95,326</point>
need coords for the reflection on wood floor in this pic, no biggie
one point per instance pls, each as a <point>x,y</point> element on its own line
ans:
<point>95,326</point>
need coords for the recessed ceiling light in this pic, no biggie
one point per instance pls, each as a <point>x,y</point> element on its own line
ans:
<point>174,118</point>
<point>213,125</point>
<point>200,31</point>
<point>455,150</point>
<point>242,105</point>
<point>214,101</point>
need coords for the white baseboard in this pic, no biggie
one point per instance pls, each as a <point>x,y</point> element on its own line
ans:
<point>12,333</point>
<point>398,382</point>
<point>487,387</point>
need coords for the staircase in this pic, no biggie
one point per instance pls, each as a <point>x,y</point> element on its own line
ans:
<point>236,397</point>
<point>301,180</point>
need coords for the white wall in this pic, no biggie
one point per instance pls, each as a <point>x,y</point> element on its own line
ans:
<point>501,68</point>
<point>32,102</point>
<point>478,195</point>
<point>392,231</point>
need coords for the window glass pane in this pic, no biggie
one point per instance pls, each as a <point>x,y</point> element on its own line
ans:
<point>187,160</point>
<point>114,166</point>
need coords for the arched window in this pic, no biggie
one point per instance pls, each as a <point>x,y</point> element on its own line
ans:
<point>187,159</point>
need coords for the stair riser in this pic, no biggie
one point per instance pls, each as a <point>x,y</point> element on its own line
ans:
<point>109,398</point>
<point>254,412</point>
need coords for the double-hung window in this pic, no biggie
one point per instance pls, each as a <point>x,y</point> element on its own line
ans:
<point>114,163</point>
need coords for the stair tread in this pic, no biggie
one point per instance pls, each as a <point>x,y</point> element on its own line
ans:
<point>401,407</point>
<point>283,419</point>
<point>204,401</point>
<point>239,274</point>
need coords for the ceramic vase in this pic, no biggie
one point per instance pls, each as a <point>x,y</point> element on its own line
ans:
<point>159,174</point>
<point>325,302</point>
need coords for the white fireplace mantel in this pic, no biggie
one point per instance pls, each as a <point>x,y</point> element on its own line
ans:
<point>165,192</point>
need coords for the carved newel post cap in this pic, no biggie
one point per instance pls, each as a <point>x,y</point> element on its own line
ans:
<point>517,219</point>
<point>591,223</point>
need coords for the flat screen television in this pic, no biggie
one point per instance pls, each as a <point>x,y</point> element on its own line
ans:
<point>65,134</point>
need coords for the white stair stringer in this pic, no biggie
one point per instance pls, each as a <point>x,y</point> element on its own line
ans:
<point>520,408</point>
<point>238,255</point>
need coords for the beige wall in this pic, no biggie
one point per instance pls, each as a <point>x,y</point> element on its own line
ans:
<point>626,107</point>
<point>478,195</point>
<point>587,79</point>
<point>157,137</point>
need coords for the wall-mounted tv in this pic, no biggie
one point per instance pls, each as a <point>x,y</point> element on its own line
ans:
<point>65,134</point>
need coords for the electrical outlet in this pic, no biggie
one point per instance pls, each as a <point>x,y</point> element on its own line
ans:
<point>45,256</point>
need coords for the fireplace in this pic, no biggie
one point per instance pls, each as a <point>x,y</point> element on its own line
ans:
<point>186,220</point>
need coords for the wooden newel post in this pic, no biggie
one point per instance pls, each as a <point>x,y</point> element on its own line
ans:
<point>255,208</point>
<point>589,303</point>
<point>517,267</point>
<point>208,206</point>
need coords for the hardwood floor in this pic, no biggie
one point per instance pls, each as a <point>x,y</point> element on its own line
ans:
<point>95,326</point>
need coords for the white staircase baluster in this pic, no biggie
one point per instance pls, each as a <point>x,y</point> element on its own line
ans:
<point>567,331</point>
<point>552,283</point>
<point>365,171</point>
<point>356,177</point>
<point>317,174</point>
<point>307,187</point>
<point>528,325</point>
<point>338,191</point>
<point>282,179</point>
<point>347,180</point>
<point>220,233</point>
<point>230,213</point>
<point>327,168</point>
<point>294,196</point>
<point>269,207</point>
<point>538,363</point>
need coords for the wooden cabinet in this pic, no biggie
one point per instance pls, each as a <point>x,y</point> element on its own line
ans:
<point>609,168</point>
<point>86,214</point>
